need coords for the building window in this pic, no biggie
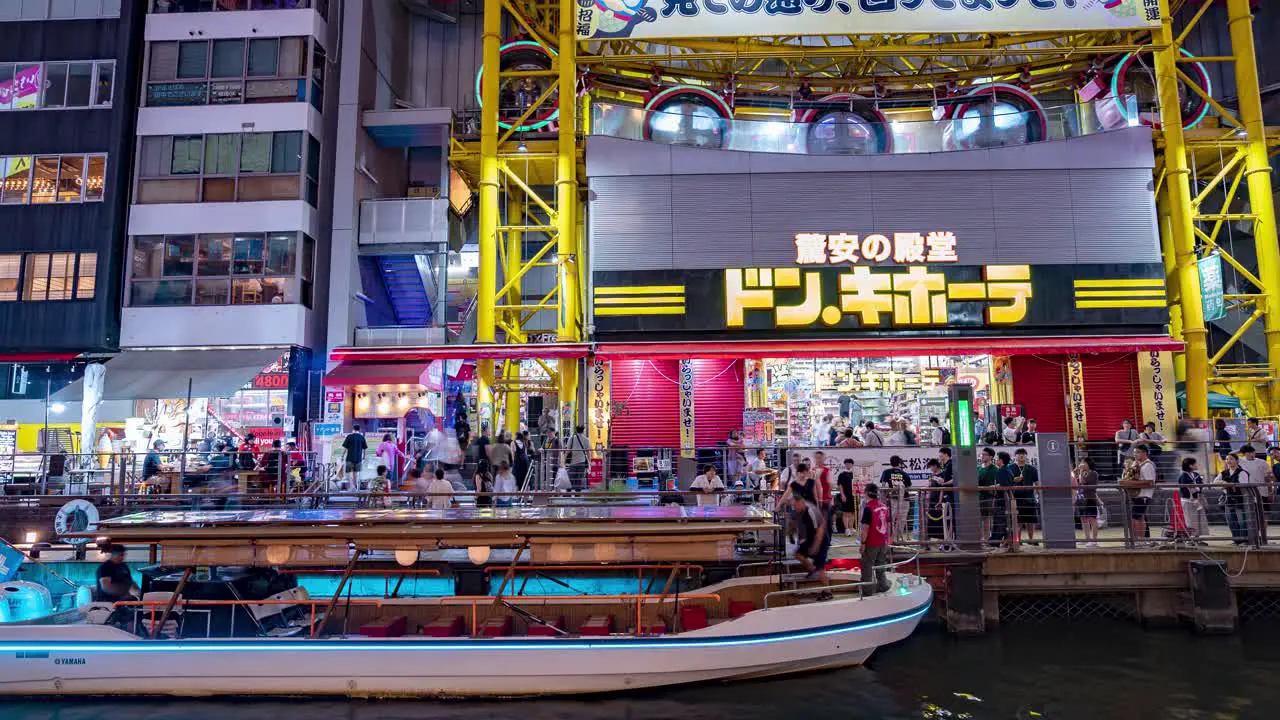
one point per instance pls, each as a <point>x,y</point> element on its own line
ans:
<point>56,85</point>
<point>231,71</point>
<point>59,276</point>
<point>221,269</point>
<point>13,11</point>
<point>10,274</point>
<point>227,168</point>
<point>42,179</point>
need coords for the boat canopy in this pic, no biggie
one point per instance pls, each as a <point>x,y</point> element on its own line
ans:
<point>262,538</point>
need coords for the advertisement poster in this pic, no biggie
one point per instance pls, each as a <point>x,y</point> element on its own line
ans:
<point>1075,399</point>
<point>23,90</point>
<point>608,19</point>
<point>1159,404</point>
<point>757,427</point>
<point>687,442</point>
<point>333,402</point>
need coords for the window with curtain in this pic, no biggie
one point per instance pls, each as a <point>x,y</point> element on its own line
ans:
<point>286,152</point>
<point>221,154</point>
<point>264,57</point>
<point>187,151</point>
<point>163,64</point>
<point>87,276</point>
<point>10,273</point>
<point>193,60</point>
<point>255,153</point>
<point>228,59</point>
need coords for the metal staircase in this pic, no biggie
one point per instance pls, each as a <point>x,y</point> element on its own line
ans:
<point>408,297</point>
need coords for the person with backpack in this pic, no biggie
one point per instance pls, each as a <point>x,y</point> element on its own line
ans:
<point>577,447</point>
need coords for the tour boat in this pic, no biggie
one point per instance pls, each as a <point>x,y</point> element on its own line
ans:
<point>232,620</point>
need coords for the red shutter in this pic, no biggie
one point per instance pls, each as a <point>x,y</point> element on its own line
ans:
<point>1110,393</point>
<point>1039,386</point>
<point>718,399</point>
<point>646,405</point>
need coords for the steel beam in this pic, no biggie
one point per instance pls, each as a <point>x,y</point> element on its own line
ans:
<point>487,273</point>
<point>1181,225</point>
<point>1261,200</point>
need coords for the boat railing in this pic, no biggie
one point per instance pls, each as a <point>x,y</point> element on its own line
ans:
<point>813,591</point>
<point>913,558</point>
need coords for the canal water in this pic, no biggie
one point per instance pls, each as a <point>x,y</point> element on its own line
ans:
<point>1092,670</point>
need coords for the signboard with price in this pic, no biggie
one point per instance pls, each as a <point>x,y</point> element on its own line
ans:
<point>8,448</point>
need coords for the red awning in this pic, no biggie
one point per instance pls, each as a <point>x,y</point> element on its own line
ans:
<point>886,347</point>
<point>543,351</point>
<point>348,374</point>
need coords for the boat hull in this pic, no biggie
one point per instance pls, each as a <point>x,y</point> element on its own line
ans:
<point>99,660</point>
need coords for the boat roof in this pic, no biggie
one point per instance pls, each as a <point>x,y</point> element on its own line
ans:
<point>452,527</point>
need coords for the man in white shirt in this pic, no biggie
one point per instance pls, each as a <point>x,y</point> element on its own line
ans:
<point>434,450</point>
<point>1145,484</point>
<point>760,470</point>
<point>706,486</point>
<point>1010,434</point>
<point>439,492</point>
<point>504,482</point>
<point>1259,471</point>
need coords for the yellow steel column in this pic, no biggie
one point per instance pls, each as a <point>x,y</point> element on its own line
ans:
<point>1258,173</point>
<point>515,259</point>
<point>484,396</point>
<point>569,325</point>
<point>491,44</point>
<point>1171,279</point>
<point>1178,182</point>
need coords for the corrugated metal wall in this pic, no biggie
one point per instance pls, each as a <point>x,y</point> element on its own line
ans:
<point>998,216</point>
<point>1110,393</point>
<point>646,403</point>
<point>718,400</point>
<point>446,59</point>
<point>1039,386</point>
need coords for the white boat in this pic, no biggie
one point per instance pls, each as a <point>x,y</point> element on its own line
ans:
<point>510,644</point>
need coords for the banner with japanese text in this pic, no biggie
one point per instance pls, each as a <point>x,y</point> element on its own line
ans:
<point>687,442</point>
<point>611,19</point>
<point>599,410</point>
<point>1159,402</point>
<point>1078,423</point>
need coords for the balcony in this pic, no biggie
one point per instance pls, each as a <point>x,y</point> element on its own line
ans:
<point>399,336</point>
<point>857,127</point>
<point>405,222</point>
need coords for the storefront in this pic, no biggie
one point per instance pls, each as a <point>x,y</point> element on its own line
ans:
<point>195,395</point>
<point>833,287</point>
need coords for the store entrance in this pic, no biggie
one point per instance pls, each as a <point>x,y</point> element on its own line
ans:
<point>899,395</point>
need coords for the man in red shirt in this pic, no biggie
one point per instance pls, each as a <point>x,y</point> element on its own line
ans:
<point>823,486</point>
<point>874,537</point>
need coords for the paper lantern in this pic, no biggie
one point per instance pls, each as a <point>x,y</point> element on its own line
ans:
<point>278,554</point>
<point>605,552</point>
<point>560,552</point>
<point>479,554</point>
<point>407,556</point>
